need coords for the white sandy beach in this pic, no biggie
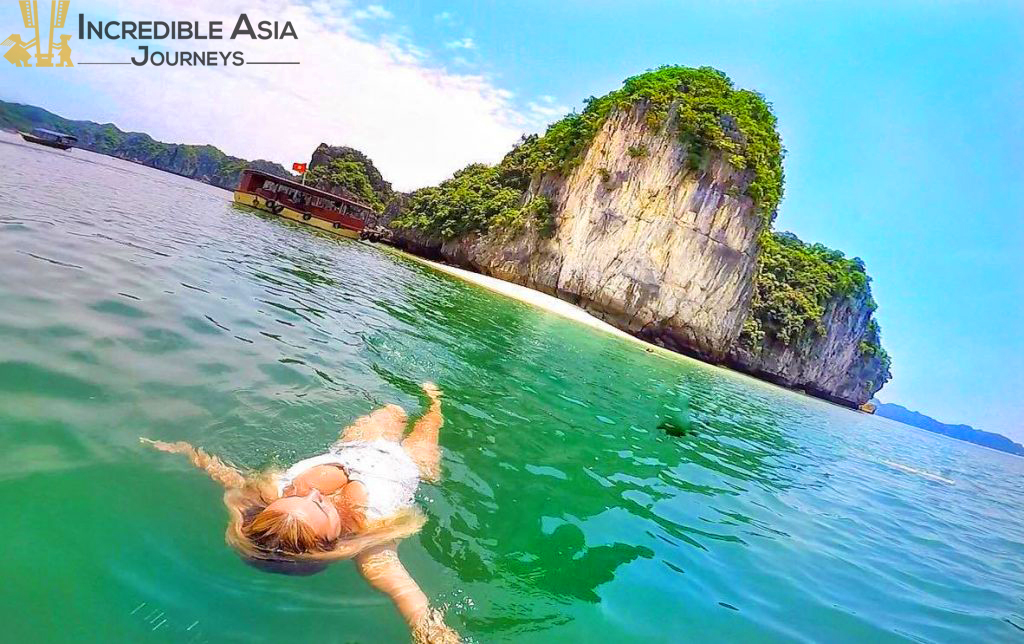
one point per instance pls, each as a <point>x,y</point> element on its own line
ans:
<point>530,296</point>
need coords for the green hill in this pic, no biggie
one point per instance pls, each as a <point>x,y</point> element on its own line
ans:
<point>200,162</point>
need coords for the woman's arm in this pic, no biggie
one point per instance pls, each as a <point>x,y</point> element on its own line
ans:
<point>381,567</point>
<point>421,443</point>
<point>218,470</point>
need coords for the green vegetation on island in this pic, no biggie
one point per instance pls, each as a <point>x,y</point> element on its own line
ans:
<point>710,115</point>
<point>349,176</point>
<point>476,198</point>
<point>795,284</point>
<point>345,170</point>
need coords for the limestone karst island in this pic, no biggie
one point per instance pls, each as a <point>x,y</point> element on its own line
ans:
<point>652,209</point>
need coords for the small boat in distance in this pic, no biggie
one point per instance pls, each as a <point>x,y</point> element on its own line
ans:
<point>50,138</point>
<point>299,202</point>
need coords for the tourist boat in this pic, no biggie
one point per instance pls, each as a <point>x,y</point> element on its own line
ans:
<point>299,202</point>
<point>50,138</point>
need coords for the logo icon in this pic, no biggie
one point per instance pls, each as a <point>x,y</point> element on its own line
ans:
<point>18,55</point>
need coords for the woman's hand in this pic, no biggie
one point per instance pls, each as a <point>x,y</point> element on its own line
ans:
<point>433,391</point>
<point>218,470</point>
<point>431,629</point>
<point>180,447</point>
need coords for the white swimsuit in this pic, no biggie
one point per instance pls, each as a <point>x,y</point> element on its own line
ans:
<point>385,469</point>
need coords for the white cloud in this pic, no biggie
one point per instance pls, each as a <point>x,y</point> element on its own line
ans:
<point>403,49</point>
<point>547,111</point>
<point>418,122</point>
<point>374,11</point>
<point>461,43</point>
<point>444,17</point>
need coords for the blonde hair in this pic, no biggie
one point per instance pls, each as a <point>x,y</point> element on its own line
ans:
<point>258,533</point>
<point>275,531</point>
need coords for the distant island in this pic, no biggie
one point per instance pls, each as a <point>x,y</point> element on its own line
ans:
<point>960,432</point>
<point>204,163</point>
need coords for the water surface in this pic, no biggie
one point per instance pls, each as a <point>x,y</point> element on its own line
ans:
<point>134,302</point>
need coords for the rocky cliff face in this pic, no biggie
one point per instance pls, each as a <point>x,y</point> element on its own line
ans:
<point>640,240</point>
<point>672,254</point>
<point>831,365</point>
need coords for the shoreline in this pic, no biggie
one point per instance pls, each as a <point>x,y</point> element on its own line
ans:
<point>552,304</point>
<point>528,295</point>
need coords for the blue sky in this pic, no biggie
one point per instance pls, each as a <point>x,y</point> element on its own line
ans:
<point>903,124</point>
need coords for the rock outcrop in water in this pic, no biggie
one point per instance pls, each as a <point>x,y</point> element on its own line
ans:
<point>668,257</point>
<point>348,172</point>
<point>650,210</point>
<point>811,323</point>
<point>832,365</point>
<point>200,162</point>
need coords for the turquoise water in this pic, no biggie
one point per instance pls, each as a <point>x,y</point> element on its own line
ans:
<point>133,302</point>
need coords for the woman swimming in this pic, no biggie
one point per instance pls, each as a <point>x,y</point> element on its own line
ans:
<point>354,501</point>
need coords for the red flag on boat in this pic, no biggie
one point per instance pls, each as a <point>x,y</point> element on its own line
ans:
<point>299,167</point>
